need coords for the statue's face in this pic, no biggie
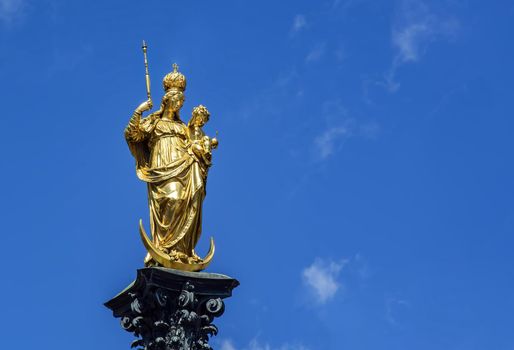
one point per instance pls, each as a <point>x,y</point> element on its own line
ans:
<point>201,119</point>
<point>176,101</point>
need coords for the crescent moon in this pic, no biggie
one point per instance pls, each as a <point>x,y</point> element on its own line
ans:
<point>166,261</point>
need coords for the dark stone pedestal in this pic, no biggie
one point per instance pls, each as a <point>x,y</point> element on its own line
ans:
<point>172,310</point>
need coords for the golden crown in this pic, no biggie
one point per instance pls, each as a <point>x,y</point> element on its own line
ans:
<point>174,81</point>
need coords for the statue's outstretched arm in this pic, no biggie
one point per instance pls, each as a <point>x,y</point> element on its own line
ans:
<point>135,130</point>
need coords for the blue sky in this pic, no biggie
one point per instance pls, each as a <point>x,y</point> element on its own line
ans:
<point>362,191</point>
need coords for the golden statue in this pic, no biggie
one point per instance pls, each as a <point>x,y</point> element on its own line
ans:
<point>173,159</point>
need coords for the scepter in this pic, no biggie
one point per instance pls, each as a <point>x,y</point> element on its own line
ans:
<point>147,75</point>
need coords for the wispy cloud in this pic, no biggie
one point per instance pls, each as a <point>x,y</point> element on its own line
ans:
<point>226,344</point>
<point>329,140</point>
<point>255,344</point>
<point>10,10</point>
<point>315,54</point>
<point>70,59</point>
<point>270,100</point>
<point>339,127</point>
<point>340,54</point>
<point>299,23</point>
<point>346,4</point>
<point>322,278</point>
<point>369,130</point>
<point>447,97</point>
<point>414,28</point>
<point>394,308</point>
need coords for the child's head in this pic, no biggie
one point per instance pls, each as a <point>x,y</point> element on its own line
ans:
<point>200,116</point>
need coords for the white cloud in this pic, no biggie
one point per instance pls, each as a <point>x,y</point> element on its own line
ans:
<point>344,5</point>
<point>409,39</point>
<point>321,277</point>
<point>315,54</point>
<point>270,100</point>
<point>369,130</point>
<point>226,344</point>
<point>285,78</point>
<point>395,308</point>
<point>340,54</point>
<point>254,344</point>
<point>10,9</point>
<point>339,127</point>
<point>328,140</point>
<point>288,346</point>
<point>70,59</point>
<point>299,23</point>
<point>414,28</point>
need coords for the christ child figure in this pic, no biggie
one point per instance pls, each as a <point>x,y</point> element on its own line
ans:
<point>201,144</point>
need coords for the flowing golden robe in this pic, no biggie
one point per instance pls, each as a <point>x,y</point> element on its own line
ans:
<point>176,179</point>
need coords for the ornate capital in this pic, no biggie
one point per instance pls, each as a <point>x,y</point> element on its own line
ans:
<point>172,310</point>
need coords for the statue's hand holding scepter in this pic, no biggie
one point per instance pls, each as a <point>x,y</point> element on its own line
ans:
<point>145,106</point>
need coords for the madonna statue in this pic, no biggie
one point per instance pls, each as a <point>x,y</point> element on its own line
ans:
<point>173,159</point>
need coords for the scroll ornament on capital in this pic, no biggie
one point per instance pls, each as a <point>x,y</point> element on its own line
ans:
<point>161,320</point>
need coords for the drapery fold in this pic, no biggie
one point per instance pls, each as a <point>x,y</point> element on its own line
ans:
<point>175,178</point>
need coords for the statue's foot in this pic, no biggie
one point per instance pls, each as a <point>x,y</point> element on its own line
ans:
<point>149,261</point>
<point>152,263</point>
<point>194,259</point>
<point>179,256</point>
